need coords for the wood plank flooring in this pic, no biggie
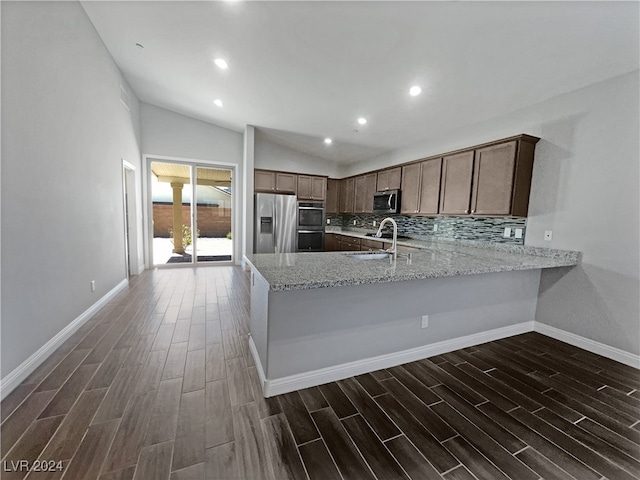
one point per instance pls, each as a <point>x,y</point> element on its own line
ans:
<point>160,385</point>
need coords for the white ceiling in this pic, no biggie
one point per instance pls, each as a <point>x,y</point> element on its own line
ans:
<point>300,71</point>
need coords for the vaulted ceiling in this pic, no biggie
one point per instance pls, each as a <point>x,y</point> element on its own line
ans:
<point>302,71</point>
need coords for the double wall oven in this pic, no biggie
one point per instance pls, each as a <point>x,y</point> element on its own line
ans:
<point>310,227</point>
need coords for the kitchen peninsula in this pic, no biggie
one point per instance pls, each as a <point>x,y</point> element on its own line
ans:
<point>319,317</point>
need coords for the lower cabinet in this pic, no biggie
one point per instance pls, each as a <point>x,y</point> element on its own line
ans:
<point>368,245</point>
<point>329,242</point>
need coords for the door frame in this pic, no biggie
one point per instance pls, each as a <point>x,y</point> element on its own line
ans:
<point>129,211</point>
<point>148,207</point>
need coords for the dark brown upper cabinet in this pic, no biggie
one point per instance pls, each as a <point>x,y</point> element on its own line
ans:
<point>457,176</point>
<point>389,179</point>
<point>365,187</point>
<point>333,196</point>
<point>275,182</point>
<point>311,187</point>
<point>491,180</point>
<point>347,194</point>
<point>421,187</point>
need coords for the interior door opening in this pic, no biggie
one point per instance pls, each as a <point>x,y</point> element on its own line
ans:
<point>191,213</point>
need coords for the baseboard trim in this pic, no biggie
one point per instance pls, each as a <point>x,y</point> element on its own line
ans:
<point>278,386</point>
<point>14,378</point>
<point>589,345</point>
<point>256,360</point>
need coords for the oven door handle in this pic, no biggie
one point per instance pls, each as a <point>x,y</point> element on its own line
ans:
<point>310,208</point>
<point>310,231</point>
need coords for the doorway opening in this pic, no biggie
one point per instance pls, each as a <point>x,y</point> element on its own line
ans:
<point>191,213</point>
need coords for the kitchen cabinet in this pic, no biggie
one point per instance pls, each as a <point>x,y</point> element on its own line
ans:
<point>389,179</point>
<point>347,194</point>
<point>333,196</point>
<point>365,187</point>
<point>410,201</point>
<point>457,176</point>
<point>275,182</point>
<point>490,180</point>
<point>421,187</point>
<point>346,243</point>
<point>330,242</point>
<point>370,245</point>
<point>312,187</point>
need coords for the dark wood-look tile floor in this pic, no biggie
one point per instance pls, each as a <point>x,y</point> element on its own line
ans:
<point>160,385</point>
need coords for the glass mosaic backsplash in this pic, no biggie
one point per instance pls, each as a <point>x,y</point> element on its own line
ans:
<point>489,229</point>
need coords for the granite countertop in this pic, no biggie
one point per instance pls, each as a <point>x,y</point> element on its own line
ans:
<point>301,271</point>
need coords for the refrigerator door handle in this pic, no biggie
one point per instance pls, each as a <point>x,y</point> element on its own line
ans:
<point>274,227</point>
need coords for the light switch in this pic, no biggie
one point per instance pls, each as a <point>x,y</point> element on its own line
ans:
<point>328,221</point>
<point>518,233</point>
<point>548,235</point>
<point>507,232</point>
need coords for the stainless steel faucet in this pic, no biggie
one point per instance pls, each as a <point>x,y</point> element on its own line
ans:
<point>394,248</point>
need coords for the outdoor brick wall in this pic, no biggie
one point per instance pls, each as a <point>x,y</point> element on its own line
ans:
<point>212,221</point>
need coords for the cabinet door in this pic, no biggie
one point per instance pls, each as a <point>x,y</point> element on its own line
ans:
<point>389,179</point>
<point>430,174</point>
<point>333,196</point>
<point>318,188</point>
<point>369,190</point>
<point>365,188</point>
<point>329,242</point>
<point>264,181</point>
<point>410,201</point>
<point>305,187</point>
<point>286,182</point>
<point>493,179</point>
<point>360,194</point>
<point>457,172</point>
<point>347,195</point>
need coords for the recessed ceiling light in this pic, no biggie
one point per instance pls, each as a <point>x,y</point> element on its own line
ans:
<point>415,90</point>
<point>362,120</point>
<point>328,141</point>
<point>218,102</point>
<point>221,63</point>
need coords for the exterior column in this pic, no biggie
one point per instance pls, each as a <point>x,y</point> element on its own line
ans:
<point>177,218</point>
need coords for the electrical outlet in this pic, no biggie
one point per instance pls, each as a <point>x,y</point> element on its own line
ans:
<point>548,235</point>
<point>93,285</point>
<point>518,233</point>
<point>374,223</point>
<point>435,227</point>
<point>425,321</point>
<point>507,232</point>
<point>328,221</point>
<point>354,222</point>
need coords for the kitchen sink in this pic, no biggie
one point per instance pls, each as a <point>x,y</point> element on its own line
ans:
<point>368,256</point>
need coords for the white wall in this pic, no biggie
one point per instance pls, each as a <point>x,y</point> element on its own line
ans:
<point>65,133</point>
<point>169,134</point>
<point>585,189</point>
<point>272,156</point>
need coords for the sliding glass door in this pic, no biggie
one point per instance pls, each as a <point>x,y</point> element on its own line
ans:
<point>191,212</point>
<point>213,215</point>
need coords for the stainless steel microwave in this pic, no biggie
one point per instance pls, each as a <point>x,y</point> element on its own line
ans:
<point>386,202</point>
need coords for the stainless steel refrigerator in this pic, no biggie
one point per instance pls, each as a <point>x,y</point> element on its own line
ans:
<point>275,223</point>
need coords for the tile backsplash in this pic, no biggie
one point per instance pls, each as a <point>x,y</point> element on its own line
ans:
<point>489,229</point>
